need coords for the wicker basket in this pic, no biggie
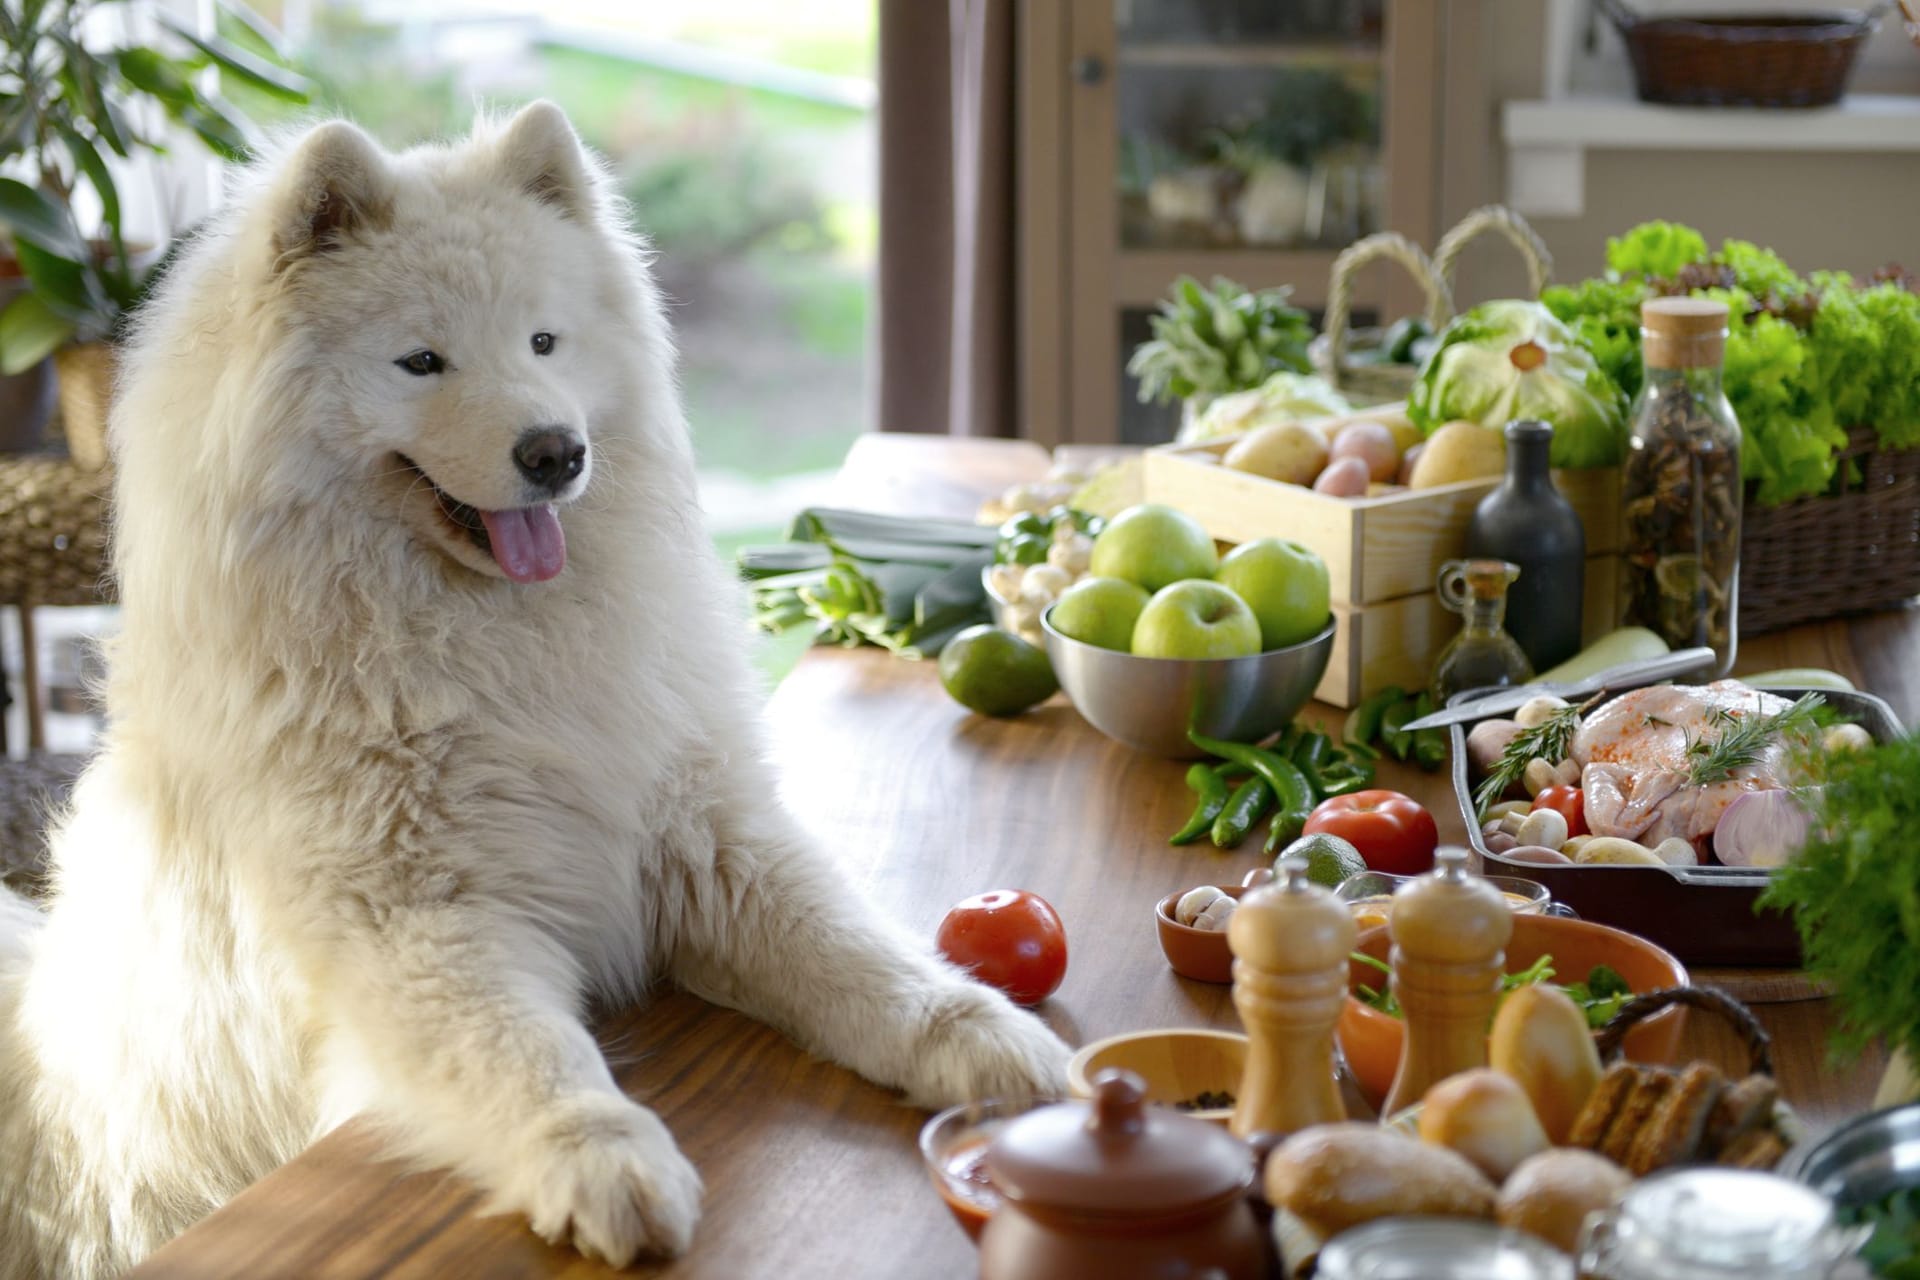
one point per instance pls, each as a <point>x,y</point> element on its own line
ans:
<point>1847,552</point>
<point>1380,383</point>
<point>1752,60</point>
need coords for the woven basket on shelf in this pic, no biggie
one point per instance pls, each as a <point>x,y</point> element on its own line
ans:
<point>1745,60</point>
<point>1384,382</point>
<point>1847,552</point>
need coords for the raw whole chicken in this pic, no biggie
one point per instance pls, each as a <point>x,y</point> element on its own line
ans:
<point>1633,761</point>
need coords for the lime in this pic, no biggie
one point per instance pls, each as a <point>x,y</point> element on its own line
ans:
<point>1330,859</point>
<point>995,672</point>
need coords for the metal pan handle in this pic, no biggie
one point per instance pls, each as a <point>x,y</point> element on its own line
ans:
<point>1723,878</point>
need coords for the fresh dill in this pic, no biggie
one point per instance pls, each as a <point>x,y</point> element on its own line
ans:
<point>1550,740</point>
<point>1746,738</point>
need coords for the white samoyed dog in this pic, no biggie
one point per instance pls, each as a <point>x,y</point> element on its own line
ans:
<point>430,725</point>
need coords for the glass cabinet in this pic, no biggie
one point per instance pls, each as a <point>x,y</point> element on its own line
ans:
<point>1247,138</point>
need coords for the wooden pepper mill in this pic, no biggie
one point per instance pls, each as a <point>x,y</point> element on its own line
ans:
<point>1450,933</point>
<point>1290,942</point>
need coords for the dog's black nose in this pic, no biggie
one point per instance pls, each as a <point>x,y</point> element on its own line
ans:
<point>551,457</point>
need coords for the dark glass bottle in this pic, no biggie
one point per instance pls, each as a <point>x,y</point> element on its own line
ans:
<point>1526,521</point>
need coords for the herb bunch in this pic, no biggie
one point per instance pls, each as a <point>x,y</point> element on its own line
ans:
<point>1743,739</point>
<point>1549,740</point>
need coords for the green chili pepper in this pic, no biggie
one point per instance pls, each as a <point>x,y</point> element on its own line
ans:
<point>1293,797</point>
<point>1429,745</point>
<point>1348,781</point>
<point>1393,729</point>
<point>1310,756</point>
<point>1210,784</point>
<point>1363,722</point>
<point>1247,805</point>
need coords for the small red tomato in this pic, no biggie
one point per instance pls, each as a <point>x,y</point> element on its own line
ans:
<point>1010,939</point>
<point>1394,833</point>
<point>1570,803</point>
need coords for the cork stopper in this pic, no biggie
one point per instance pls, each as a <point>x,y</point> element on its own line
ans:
<point>1291,925</point>
<point>1683,333</point>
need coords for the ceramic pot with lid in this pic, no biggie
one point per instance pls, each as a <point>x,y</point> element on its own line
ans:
<point>1113,1188</point>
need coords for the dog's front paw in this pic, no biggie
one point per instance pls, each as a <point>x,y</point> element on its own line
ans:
<point>605,1174</point>
<point>976,1044</point>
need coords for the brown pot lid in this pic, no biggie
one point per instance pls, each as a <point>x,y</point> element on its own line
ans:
<point>1117,1155</point>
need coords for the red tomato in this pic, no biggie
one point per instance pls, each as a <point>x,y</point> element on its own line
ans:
<point>1010,939</point>
<point>1394,833</point>
<point>1570,803</point>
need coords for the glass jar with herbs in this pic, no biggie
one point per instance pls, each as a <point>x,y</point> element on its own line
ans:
<point>1681,485</point>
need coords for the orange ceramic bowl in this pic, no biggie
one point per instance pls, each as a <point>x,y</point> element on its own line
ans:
<point>1372,1041</point>
<point>1200,954</point>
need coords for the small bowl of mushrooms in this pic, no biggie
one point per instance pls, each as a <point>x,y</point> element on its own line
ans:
<point>1193,927</point>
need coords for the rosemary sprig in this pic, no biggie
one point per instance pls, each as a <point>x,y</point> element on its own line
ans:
<point>1551,739</point>
<point>1749,736</point>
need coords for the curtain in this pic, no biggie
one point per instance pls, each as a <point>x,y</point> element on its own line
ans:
<point>946,255</point>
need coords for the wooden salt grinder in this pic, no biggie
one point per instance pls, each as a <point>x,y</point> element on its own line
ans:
<point>1290,941</point>
<point>1450,933</point>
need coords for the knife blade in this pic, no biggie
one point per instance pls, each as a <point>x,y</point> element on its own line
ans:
<point>1627,674</point>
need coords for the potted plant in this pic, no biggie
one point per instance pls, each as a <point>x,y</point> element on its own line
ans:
<point>72,105</point>
<point>1854,891</point>
<point>1211,342</point>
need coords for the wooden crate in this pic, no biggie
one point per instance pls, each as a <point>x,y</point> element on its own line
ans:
<point>1396,641</point>
<point>1376,549</point>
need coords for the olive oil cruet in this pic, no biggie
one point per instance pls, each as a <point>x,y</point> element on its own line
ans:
<point>1484,654</point>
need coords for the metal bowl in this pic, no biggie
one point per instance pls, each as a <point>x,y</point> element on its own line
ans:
<point>1151,703</point>
<point>1864,1159</point>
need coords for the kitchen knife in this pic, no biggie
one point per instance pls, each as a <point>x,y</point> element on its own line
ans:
<point>1627,675</point>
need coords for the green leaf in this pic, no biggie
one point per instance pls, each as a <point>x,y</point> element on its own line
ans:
<point>151,71</point>
<point>246,28</point>
<point>97,173</point>
<point>29,333</point>
<point>32,215</point>
<point>60,282</point>
<point>223,133</point>
<point>257,71</point>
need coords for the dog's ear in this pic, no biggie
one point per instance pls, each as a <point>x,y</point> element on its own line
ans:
<point>542,155</point>
<point>335,182</point>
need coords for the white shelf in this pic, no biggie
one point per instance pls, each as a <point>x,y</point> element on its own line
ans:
<point>1547,141</point>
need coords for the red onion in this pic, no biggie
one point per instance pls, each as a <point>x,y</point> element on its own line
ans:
<point>1761,829</point>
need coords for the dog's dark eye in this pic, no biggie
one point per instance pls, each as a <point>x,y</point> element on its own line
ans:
<point>422,363</point>
<point>542,343</point>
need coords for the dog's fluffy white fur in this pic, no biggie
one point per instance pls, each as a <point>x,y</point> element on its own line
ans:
<point>373,826</point>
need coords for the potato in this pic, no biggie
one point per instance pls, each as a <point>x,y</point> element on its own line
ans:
<point>1540,1038</point>
<point>1409,460</point>
<point>1336,1176</point>
<point>1487,742</point>
<point>1613,851</point>
<point>1459,451</point>
<point>1500,842</point>
<point>1343,478</point>
<point>1289,452</point>
<point>1485,1116</point>
<point>1396,421</point>
<point>1676,852</point>
<point>1372,444</point>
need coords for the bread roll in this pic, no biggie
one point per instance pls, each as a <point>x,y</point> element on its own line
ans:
<point>1551,1194</point>
<point>1484,1115</point>
<point>1541,1039</point>
<point>1336,1176</point>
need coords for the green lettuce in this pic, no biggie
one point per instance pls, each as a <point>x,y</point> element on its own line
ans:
<point>1511,359</point>
<point>1658,249</point>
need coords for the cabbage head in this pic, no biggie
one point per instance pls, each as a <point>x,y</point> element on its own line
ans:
<point>1283,397</point>
<point>1513,359</point>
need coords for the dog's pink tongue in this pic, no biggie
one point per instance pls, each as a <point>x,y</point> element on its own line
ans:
<point>527,542</point>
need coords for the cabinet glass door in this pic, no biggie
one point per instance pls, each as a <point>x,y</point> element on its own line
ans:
<point>1248,124</point>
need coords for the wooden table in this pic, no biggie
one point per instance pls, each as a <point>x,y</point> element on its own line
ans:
<point>813,1172</point>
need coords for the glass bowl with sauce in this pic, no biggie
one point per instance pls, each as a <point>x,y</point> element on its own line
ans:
<point>1370,895</point>
<point>953,1145</point>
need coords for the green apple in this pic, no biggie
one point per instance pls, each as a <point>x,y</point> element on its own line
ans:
<point>1153,546</point>
<point>1285,584</point>
<point>1196,619</point>
<point>1099,611</point>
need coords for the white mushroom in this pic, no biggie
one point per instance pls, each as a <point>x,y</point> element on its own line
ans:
<point>1546,827</point>
<point>1536,709</point>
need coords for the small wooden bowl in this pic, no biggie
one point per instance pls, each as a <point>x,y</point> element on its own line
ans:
<point>1177,1065</point>
<point>1371,1041</point>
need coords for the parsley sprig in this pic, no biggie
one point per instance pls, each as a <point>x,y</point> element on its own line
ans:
<point>1743,739</point>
